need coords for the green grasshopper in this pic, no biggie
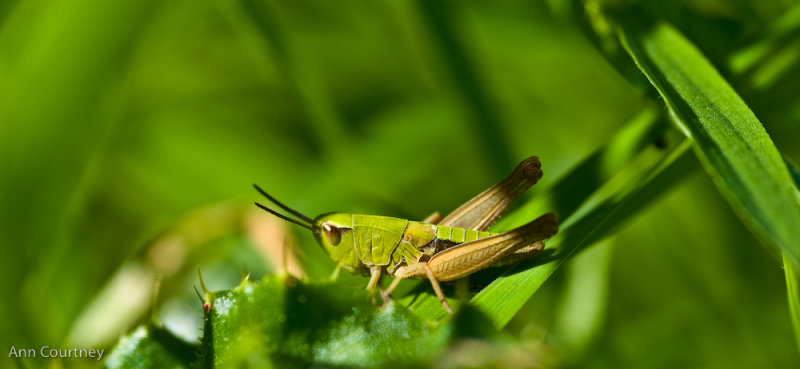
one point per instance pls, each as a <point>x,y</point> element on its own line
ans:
<point>439,249</point>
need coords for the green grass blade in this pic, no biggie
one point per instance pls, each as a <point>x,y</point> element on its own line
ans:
<point>260,24</point>
<point>793,291</point>
<point>731,143</point>
<point>501,300</point>
<point>581,310</point>
<point>630,147</point>
<point>62,67</point>
<point>792,271</point>
<point>441,21</point>
<point>774,38</point>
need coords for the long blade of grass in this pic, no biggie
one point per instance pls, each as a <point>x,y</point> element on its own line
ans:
<point>631,146</point>
<point>759,56</point>
<point>731,143</point>
<point>260,24</point>
<point>62,68</point>
<point>501,300</point>
<point>793,291</point>
<point>627,148</point>
<point>581,311</point>
<point>440,20</point>
<point>792,270</point>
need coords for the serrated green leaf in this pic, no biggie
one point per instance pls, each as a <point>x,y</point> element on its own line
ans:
<point>149,346</point>
<point>731,143</point>
<point>283,322</point>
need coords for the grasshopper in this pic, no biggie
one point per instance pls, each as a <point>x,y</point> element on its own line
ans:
<point>439,249</point>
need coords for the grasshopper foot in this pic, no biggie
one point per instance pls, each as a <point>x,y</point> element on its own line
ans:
<point>386,296</point>
<point>447,307</point>
<point>372,298</point>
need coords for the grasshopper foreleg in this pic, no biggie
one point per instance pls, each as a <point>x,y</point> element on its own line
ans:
<point>335,275</point>
<point>375,277</point>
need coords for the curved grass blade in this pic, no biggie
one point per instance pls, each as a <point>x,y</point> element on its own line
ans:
<point>731,143</point>
<point>631,147</point>
<point>61,67</point>
<point>260,25</point>
<point>765,59</point>
<point>793,291</point>
<point>792,270</point>
<point>501,300</point>
<point>580,313</point>
<point>439,19</point>
<point>625,154</point>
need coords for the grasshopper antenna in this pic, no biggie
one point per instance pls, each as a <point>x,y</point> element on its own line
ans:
<point>284,217</point>
<point>282,206</point>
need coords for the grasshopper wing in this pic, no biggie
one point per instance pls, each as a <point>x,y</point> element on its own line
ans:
<point>481,211</point>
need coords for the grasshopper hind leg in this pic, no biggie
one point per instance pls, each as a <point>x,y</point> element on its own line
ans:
<point>436,287</point>
<point>524,253</point>
<point>462,260</point>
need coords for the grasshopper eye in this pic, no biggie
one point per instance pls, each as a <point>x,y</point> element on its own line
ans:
<point>332,233</point>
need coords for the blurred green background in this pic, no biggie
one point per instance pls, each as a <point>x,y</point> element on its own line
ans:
<point>131,132</point>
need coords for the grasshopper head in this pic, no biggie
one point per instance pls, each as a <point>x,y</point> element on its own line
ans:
<point>334,231</point>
